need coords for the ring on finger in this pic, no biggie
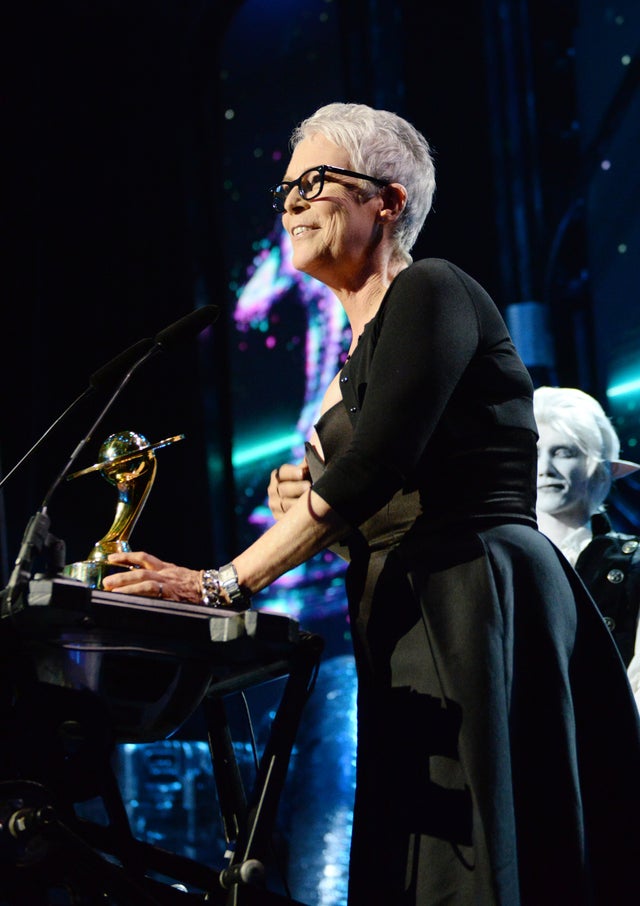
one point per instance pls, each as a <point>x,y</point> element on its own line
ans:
<point>159,595</point>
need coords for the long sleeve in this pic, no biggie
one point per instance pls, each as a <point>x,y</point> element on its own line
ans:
<point>419,382</point>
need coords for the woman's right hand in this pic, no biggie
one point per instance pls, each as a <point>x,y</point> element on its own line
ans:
<point>287,484</point>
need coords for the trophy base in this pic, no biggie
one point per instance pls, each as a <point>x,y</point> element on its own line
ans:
<point>92,572</point>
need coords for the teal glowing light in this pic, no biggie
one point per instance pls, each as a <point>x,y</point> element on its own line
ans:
<point>624,389</point>
<point>251,453</point>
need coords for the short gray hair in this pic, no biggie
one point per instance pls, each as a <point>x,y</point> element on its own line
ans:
<point>381,144</point>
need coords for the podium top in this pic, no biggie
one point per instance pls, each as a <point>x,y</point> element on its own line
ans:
<point>151,660</point>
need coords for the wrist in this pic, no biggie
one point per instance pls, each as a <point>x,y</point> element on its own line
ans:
<point>220,588</point>
<point>210,592</point>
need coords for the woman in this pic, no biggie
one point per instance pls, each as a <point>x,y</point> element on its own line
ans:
<point>485,746</point>
<point>578,459</point>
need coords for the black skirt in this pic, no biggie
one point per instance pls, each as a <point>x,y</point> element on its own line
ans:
<point>498,739</point>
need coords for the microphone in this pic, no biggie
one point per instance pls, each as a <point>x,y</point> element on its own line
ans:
<point>166,339</point>
<point>99,379</point>
<point>113,369</point>
<point>37,537</point>
<point>191,325</point>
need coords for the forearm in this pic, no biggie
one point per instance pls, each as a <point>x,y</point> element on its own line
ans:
<point>308,527</point>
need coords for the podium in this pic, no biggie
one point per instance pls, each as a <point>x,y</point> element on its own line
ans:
<point>83,670</point>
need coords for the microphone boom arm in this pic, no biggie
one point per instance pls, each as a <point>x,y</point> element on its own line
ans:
<point>37,538</point>
<point>105,409</point>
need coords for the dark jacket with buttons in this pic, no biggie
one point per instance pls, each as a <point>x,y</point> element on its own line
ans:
<point>610,568</point>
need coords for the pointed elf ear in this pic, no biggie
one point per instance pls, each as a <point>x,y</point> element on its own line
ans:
<point>622,467</point>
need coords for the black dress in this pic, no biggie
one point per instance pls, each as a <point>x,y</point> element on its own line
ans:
<point>494,765</point>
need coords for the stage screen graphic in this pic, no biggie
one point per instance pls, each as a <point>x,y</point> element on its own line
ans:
<point>287,333</point>
<point>291,336</point>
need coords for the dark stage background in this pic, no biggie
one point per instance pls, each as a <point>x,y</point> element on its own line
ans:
<point>141,138</point>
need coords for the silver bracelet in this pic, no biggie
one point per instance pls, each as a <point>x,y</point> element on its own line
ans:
<point>220,588</point>
<point>211,588</point>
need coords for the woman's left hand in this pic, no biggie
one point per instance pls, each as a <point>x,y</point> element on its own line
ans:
<point>154,578</point>
<point>286,485</point>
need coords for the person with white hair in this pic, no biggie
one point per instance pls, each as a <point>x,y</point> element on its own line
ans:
<point>578,459</point>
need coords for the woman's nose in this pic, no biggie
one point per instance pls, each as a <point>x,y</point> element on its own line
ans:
<point>294,200</point>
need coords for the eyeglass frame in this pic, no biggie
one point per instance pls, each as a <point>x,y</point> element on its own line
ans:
<point>278,204</point>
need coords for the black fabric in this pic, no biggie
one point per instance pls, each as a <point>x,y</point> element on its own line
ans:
<point>610,568</point>
<point>439,400</point>
<point>495,765</point>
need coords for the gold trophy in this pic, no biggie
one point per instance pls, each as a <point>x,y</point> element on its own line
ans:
<point>126,460</point>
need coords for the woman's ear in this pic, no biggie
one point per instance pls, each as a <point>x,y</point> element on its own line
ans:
<point>394,200</point>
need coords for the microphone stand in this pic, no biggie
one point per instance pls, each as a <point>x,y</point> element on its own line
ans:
<point>85,440</point>
<point>99,378</point>
<point>85,393</point>
<point>37,538</point>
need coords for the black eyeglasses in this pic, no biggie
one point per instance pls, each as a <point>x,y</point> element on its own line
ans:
<point>311,184</point>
